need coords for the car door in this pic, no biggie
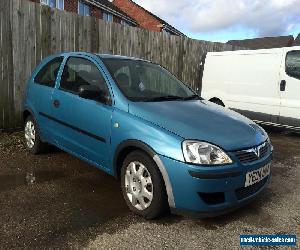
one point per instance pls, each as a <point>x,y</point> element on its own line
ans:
<point>290,90</point>
<point>83,125</point>
<point>41,94</point>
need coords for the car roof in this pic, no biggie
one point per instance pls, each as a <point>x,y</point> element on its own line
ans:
<point>102,56</point>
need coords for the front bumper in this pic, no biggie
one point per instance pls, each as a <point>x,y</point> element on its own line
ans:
<point>211,191</point>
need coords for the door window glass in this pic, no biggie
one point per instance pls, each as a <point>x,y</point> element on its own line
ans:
<point>47,75</point>
<point>292,65</point>
<point>79,71</point>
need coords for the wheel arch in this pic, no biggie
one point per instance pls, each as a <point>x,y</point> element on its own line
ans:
<point>26,112</point>
<point>124,149</point>
<point>128,146</point>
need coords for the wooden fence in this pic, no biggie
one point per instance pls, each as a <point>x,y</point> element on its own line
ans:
<point>30,32</point>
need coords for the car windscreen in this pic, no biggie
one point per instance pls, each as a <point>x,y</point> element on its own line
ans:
<point>144,81</point>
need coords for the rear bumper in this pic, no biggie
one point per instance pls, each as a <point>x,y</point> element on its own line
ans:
<point>212,191</point>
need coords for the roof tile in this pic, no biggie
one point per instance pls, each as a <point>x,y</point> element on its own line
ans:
<point>264,42</point>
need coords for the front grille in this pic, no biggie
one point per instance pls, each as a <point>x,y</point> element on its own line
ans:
<point>245,192</point>
<point>253,154</point>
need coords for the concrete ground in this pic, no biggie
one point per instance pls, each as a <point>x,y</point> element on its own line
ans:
<point>57,201</point>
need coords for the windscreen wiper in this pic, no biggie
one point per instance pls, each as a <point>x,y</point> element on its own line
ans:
<point>192,97</point>
<point>163,98</point>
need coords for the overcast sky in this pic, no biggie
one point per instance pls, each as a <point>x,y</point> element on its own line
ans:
<point>222,20</point>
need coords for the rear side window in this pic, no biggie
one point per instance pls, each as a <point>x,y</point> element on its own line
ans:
<point>79,71</point>
<point>292,65</point>
<point>47,75</point>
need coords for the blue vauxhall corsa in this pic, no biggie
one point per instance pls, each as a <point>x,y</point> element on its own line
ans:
<point>134,120</point>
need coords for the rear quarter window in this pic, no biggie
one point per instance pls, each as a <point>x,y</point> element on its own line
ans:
<point>48,74</point>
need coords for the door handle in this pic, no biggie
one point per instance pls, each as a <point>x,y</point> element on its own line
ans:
<point>56,103</point>
<point>282,85</point>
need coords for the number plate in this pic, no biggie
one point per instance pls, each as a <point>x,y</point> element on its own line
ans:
<point>257,175</point>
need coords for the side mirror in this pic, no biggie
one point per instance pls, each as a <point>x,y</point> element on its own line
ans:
<point>93,92</point>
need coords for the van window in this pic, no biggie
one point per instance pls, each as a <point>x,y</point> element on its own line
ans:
<point>79,71</point>
<point>47,75</point>
<point>292,66</point>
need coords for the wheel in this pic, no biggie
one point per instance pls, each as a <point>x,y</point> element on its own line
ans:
<point>32,136</point>
<point>143,186</point>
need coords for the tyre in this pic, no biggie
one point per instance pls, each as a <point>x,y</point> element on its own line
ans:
<point>142,186</point>
<point>32,136</point>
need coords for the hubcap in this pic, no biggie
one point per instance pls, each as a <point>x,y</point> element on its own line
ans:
<point>30,134</point>
<point>138,185</point>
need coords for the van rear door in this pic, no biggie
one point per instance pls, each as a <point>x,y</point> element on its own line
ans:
<point>290,90</point>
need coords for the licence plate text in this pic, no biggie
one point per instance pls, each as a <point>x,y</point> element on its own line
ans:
<point>257,175</point>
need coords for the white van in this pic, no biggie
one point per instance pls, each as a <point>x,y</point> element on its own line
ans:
<point>263,85</point>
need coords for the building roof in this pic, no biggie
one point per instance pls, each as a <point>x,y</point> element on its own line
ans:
<point>111,8</point>
<point>165,25</point>
<point>264,42</point>
<point>297,41</point>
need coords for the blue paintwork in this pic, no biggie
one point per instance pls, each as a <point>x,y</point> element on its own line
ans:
<point>162,126</point>
<point>186,188</point>
<point>201,120</point>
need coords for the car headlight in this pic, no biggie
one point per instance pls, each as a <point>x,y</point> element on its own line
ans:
<point>204,153</point>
